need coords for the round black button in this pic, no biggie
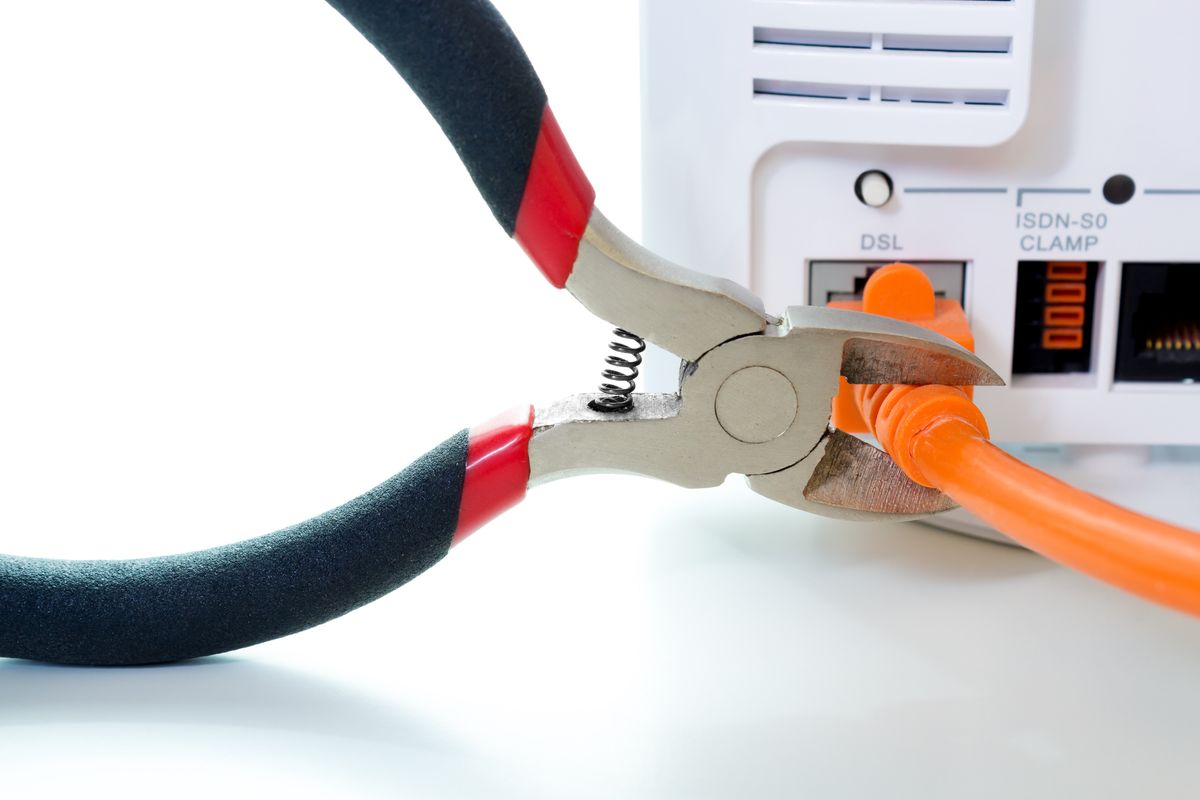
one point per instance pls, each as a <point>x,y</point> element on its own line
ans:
<point>1119,189</point>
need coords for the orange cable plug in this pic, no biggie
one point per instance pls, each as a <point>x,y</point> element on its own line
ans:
<point>939,438</point>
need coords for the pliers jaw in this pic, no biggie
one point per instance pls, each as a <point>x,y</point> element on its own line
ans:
<point>755,392</point>
<point>844,476</point>
<point>847,478</point>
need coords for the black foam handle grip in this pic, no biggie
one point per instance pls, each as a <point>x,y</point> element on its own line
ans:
<point>465,64</point>
<point>154,610</point>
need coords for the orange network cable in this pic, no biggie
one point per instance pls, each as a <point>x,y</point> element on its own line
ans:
<point>940,438</point>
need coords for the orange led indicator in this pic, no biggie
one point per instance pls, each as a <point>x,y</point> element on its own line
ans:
<point>1064,316</point>
<point>1066,271</point>
<point>1062,339</point>
<point>1066,292</point>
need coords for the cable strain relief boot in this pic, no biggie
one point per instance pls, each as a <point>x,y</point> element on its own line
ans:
<point>896,415</point>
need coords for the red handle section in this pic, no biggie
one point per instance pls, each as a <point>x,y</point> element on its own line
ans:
<point>497,470</point>
<point>556,205</point>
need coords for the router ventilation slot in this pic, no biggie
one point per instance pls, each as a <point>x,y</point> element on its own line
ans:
<point>853,41</point>
<point>969,97</point>
<point>921,43</point>
<point>887,42</point>
<point>880,70</point>
<point>886,94</point>
<point>807,63</point>
<point>812,91</point>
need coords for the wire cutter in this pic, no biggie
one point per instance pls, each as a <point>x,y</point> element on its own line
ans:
<point>754,397</point>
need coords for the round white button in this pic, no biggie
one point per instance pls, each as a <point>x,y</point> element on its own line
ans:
<point>873,188</point>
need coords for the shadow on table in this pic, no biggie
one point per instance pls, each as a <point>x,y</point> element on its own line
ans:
<point>239,715</point>
<point>794,542</point>
<point>218,690</point>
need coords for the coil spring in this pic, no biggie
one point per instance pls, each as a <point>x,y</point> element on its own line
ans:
<point>620,377</point>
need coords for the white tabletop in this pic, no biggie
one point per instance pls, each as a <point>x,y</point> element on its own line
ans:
<point>719,646</point>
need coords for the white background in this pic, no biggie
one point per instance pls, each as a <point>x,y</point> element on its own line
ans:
<point>243,278</point>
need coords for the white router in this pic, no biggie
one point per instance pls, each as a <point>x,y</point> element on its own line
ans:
<point>1038,160</point>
